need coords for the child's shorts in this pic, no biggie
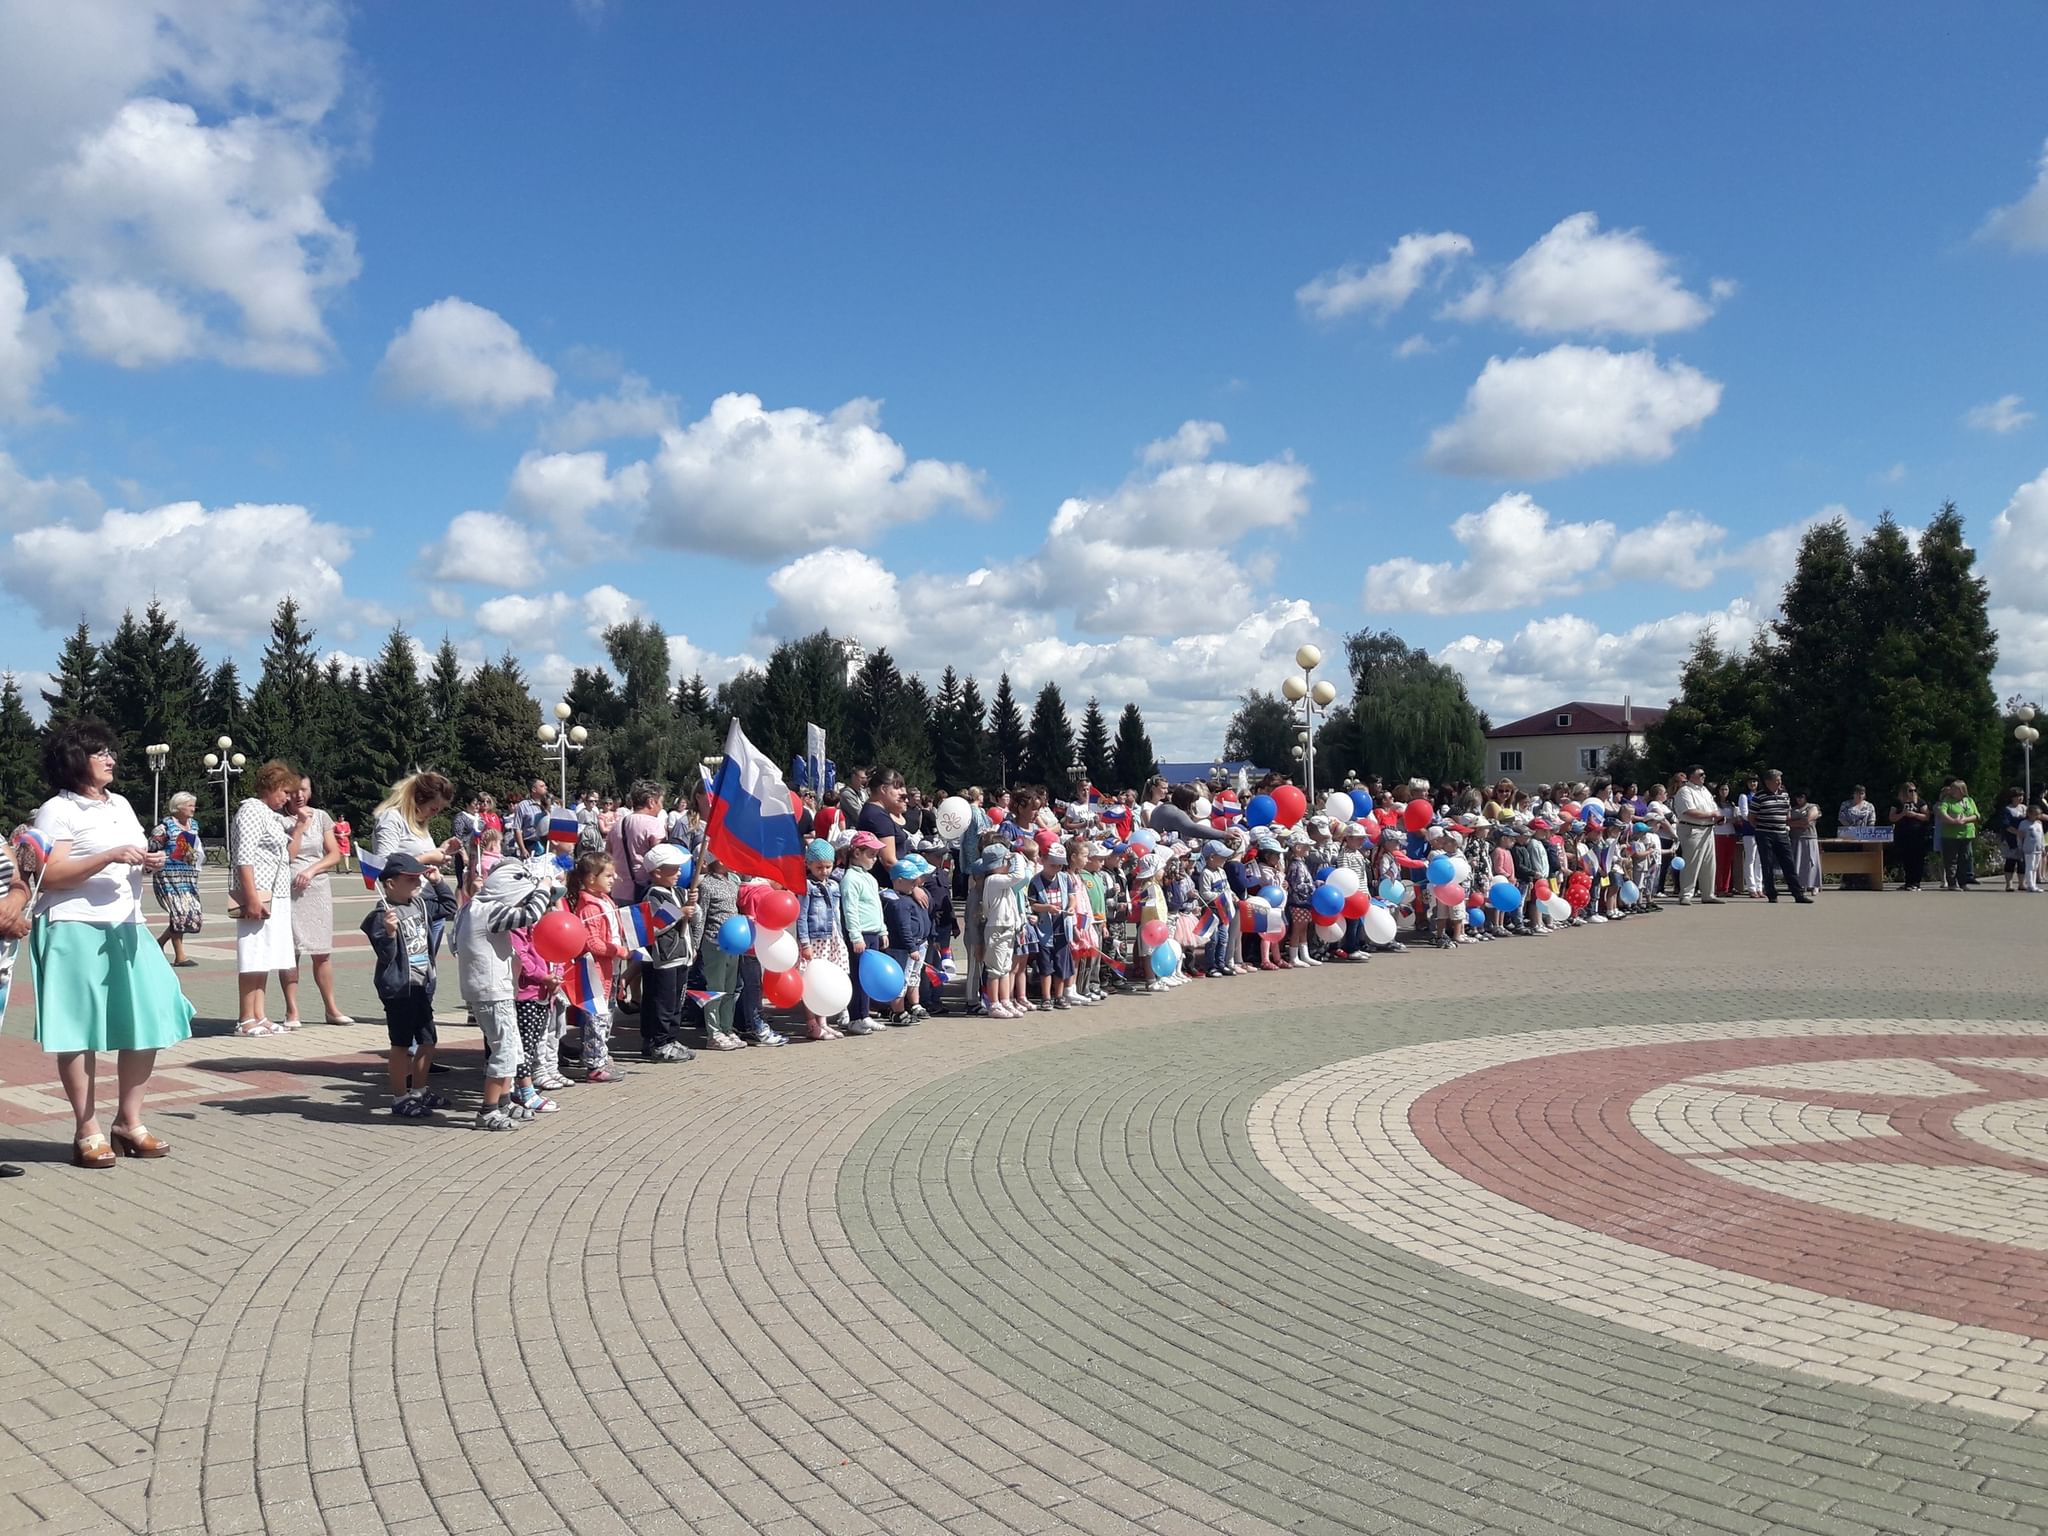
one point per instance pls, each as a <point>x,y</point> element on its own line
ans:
<point>500,1024</point>
<point>1056,959</point>
<point>999,954</point>
<point>912,965</point>
<point>409,1021</point>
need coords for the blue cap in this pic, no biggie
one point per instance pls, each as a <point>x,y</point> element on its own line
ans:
<point>819,849</point>
<point>903,869</point>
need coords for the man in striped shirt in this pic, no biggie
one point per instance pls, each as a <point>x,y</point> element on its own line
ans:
<point>1770,811</point>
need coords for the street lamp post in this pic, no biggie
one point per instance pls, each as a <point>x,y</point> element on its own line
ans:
<point>226,765</point>
<point>1079,768</point>
<point>558,743</point>
<point>1311,696</point>
<point>2026,735</point>
<point>156,754</point>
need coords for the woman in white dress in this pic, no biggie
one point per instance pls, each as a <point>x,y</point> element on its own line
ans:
<point>264,840</point>
<point>318,852</point>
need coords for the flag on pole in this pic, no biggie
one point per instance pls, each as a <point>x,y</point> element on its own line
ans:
<point>563,829</point>
<point>579,983</point>
<point>1218,912</point>
<point>372,868</point>
<point>752,826</point>
<point>640,922</point>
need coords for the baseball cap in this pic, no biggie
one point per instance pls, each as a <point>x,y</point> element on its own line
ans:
<point>664,856</point>
<point>865,840</point>
<point>903,869</point>
<point>402,864</point>
<point>1056,854</point>
<point>819,849</point>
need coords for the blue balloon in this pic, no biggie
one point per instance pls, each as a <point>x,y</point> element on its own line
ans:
<point>1260,811</point>
<point>880,977</point>
<point>565,862</point>
<point>1677,861</point>
<point>1475,917</point>
<point>1441,871</point>
<point>1273,896</point>
<point>1145,837</point>
<point>1390,890</point>
<point>1324,871</point>
<point>1504,896</point>
<point>686,871</point>
<point>1361,805</point>
<point>736,935</point>
<point>1165,960</point>
<point>1631,893</point>
<point>1328,901</point>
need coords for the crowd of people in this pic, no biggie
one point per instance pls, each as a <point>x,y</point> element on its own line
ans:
<point>569,923</point>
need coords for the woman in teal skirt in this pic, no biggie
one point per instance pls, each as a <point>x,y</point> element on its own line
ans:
<point>101,982</point>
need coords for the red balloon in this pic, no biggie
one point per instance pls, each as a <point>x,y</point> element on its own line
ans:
<point>1418,815</point>
<point>1450,894</point>
<point>996,814</point>
<point>783,989</point>
<point>775,909</point>
<point>1543,890</point>
<point>1569,809</point>
<point>1356,905</point>
<point>558,938</point>
<point>1155,933</point>
<point>1289,805</point>
<point>1371,828</point>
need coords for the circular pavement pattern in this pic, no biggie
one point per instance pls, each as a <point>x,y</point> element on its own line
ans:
<point>1274,1268</point>
<point>1858,1200</point>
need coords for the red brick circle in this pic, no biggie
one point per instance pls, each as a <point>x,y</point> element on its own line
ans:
<point>1554,1134</point>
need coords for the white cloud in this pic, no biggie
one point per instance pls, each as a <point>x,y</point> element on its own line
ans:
<point>29,503</point>
<point>130,325</point>
<point>174,553</point>
<point>27,346</point>
<point>1895,475</point>
<point>2019,542</point>
<point>1568,657</point>
<point>179,148</point>
<point>488,548</point>
<point>634,409</point>
<point>604,606</point>
<point>1192,441</point>
<point>461,355</point>
<point>757,483</point>
<point>539,620</point>
<point>1383,288</point>
<point>2023,225</point>
<point>687,659</point>
<point>1572,408</point>
<point>1682,549</point>
<point>446,604</point>
<point>1417,345</point>
<point>2005,414</point>
<point>1514,555</point>
<point>1580,278</point>
<point>566,491</point>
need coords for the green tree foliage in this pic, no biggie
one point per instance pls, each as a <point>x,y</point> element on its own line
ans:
<point>1409,717</point>
<point>283,715</point>
<point>1821,633</point>
<point>694,699</point>
<point>396,721</point>
<point>1886,741</point>
<point>497,731</point>
<point>336,747</point>
<point>447,697</point>
<point>1049,744</point>
<point>955,745</point>
<point>972,724</point>
<point>1095,752</point>
<point>1262,732</point>
<point>651,741</point>
<point>222,713</point>
<point>911,725</point>
<point>1957,652</point>
<point>742,697</point>
<point>594,703</point>
<point>152,687</point>
<point>21,775</point>
<point>887,721</point>
<point>1131,761</point>
<point>1005,736</point>
<point>805,684</point>
<point>1720,716</point>
<point>77,691</point>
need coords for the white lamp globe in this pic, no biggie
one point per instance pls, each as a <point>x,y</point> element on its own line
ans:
<point>1308,657</point>
<point>225,742</point>
<point>1294,689</point>
<point>211,760</point>
<point>239,761</point>
<point>547,734</point>
<point>1324,693</point>
<point>578,734</point>
<point>2025,713</point>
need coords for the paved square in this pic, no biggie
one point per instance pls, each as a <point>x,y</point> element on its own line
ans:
<point>1721,1220</point>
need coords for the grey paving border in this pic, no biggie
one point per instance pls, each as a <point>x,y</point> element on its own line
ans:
<point>1089,1223</point>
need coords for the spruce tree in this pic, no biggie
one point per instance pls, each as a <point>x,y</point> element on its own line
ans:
<point>1958,650</point>
<point>497,735</point>
<point>77,693</point>
<point>872,710</point>
<point>1095,745</point>
<point>396,719</point>
<point>127,670</point>
<point>1049,744</point>
<point>971,724</point>
<point>447,696</point>
<point>740,697</point>
<point>283,716</point>
<point>953,760</point>
<point>594,704</point>
<point>21,777</point>
<point>336,744</point>
<point>652,741</point>
<point>1821,643</point>
<point>805,685</point>
<point>1131,761</point>
<point>909,745</point>
<point>222,711</point>
<point>1262,733</point>
<point>1006,736</point>
<point>1888,710</point>
<point>693,699</point>
<point>181,691</point>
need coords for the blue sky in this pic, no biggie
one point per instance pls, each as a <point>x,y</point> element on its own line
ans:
<point>1184,334</point>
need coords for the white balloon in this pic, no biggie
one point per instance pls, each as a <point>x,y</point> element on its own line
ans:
<point>1329,933</point>
<point>776,949</point>
<point>1344,881</point>
<point>1201,810</point>
<point>827,989</point>
<point>954,816</point>
<point>1559,909</point>
<point>1338,807</point>
<point>1379,925</point>
<point>1462,868</point>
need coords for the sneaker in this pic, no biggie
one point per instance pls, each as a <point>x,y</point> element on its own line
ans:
<point>902,1020</point>
<point>434,1100</point>
<point>1596,918</point>
<point>409,1107</point>
<point>1061,1005</point>
<point>919,1013</point>
<point>495,1119</point>
<point>675,1050</point>
<point>858,1027</point>
<point>606,1073</point>
<point>766,1036</point>
<point>721,1040</point>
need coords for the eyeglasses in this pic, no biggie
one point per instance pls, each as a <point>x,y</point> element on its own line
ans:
<point>107,753</point>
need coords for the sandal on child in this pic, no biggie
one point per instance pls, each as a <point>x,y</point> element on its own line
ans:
<point>254,1029</point>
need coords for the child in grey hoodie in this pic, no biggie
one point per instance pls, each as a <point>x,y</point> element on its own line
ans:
<point>512,896</point>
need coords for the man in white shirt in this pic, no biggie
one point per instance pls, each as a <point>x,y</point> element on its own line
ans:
<point>1697,814</point>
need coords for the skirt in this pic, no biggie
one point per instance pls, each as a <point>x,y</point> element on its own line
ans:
<point>176,887</point>
<point>266,946</point>
<point>313,918</point>
<point>104,988</point>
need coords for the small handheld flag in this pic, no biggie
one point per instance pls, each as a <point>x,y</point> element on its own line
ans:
<point>372,868</point>
<point>563,829</point>
<point>640,922</point>
<point>580,983</point>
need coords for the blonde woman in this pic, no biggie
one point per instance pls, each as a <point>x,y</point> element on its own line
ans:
<point>264,840</point>
<point>318,853</point>
<point>399,824</point>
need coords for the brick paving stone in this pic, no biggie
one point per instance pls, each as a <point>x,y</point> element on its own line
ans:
<point>1043,1274</point>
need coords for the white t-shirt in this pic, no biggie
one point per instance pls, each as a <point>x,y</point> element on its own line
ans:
<point>390,834</point>
<point>112,896</point>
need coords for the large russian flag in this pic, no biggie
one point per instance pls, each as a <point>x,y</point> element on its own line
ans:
<point>752,827</point>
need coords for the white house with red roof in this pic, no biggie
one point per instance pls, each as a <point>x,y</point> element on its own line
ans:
<point>1566,742</point>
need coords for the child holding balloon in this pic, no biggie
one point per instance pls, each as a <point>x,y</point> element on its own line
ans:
<point>907,927</point>
<point>818,937</point>
<point>860,906</point>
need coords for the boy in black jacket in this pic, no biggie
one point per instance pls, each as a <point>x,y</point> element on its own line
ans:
<point>404,930</point>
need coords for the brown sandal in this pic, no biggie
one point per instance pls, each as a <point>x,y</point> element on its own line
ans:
<point>92,1152</point>
<point>140,1142</point>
